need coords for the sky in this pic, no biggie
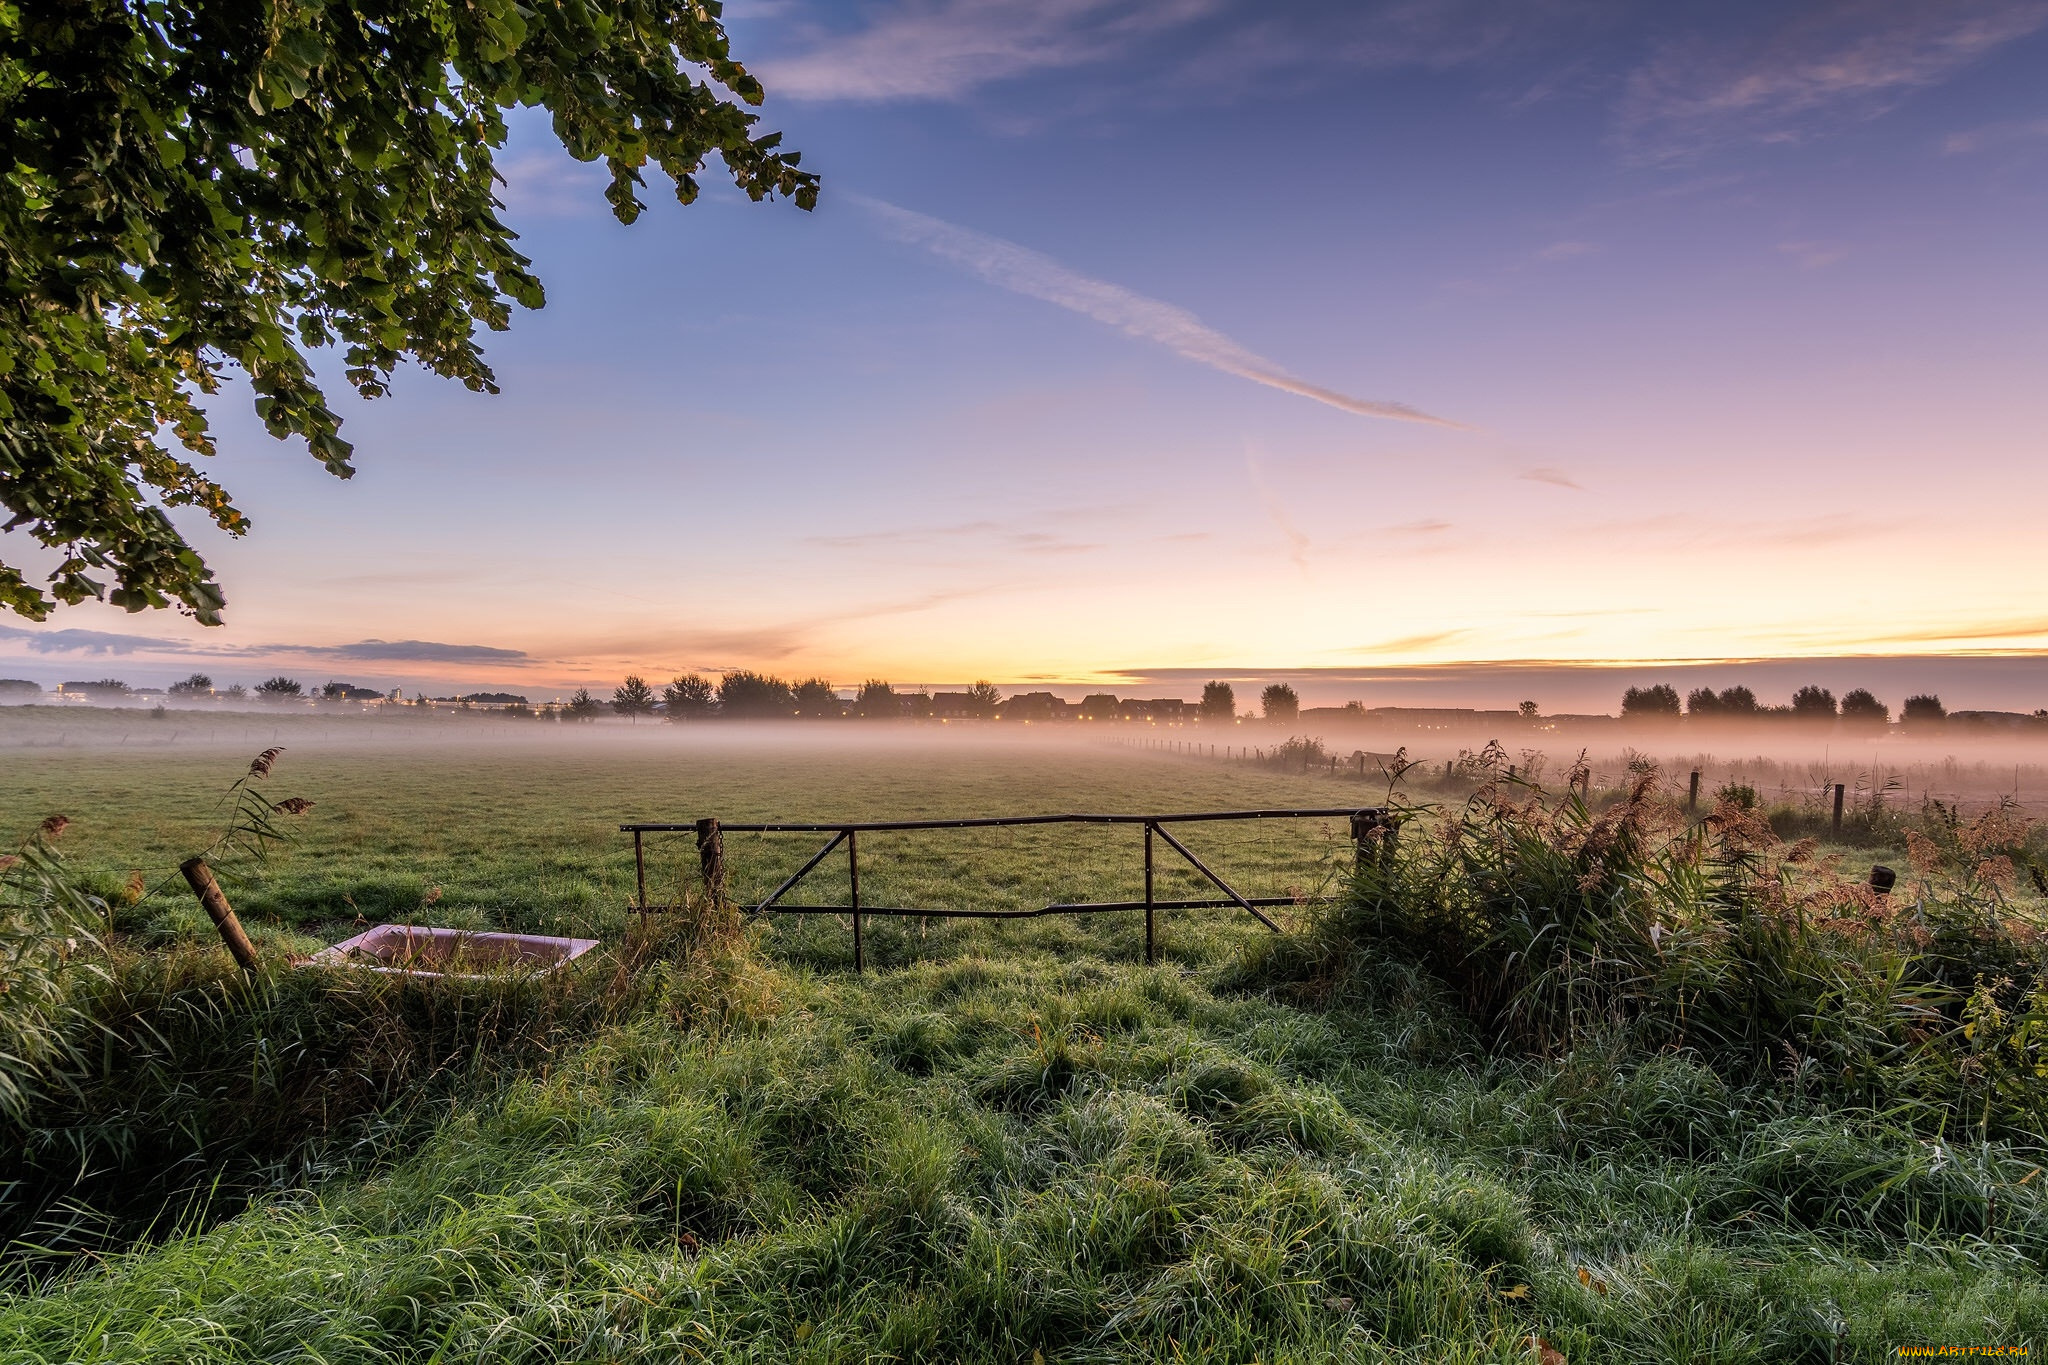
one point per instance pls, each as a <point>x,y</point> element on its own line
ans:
<point>1136,342</point>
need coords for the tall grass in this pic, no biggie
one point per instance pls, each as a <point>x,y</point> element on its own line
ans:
<point>47,924</point>
<point>1555,925</point>
<point>174,1086</point>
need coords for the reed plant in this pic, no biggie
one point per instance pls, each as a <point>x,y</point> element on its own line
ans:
<point>1554,925</point>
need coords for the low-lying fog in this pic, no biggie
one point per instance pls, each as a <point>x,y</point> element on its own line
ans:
<point>1779,759</point>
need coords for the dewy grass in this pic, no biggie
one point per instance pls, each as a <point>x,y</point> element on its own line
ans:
<point>993,1146</point>
<point>984,1159</point>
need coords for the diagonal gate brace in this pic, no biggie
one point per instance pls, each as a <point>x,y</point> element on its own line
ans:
<point>1221,885</point>
<point>802,872</point>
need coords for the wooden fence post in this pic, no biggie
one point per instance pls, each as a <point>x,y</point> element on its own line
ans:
<point>1838,810</point>
<point>711,859</point>
<point>200,877</point>
<point>1373,831</point>
<point>1692,800</point>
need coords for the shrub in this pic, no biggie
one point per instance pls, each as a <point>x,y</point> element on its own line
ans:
<point>1740,795</point>
<point>279,689</point>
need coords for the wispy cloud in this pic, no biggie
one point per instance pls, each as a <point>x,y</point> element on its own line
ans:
<point>402,651</point>
<point>715,648</point>
<point>1813,255</point>
<point>1555,477</point>
<point>88,642</point>
<point>1012,538</point>
<point>101,642</point>
<point>1994,135</point>
<point>550,183</point>
<point>943,49</point>
<point>1297,540</point>
<point>1408,644</point>
<point>1024,271</point>
<point>1844,59</point>
<point>1982,630</point>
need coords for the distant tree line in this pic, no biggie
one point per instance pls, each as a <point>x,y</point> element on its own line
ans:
<point>743,694</point>
<point>1859,707</point>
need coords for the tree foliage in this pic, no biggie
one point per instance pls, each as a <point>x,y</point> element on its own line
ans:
<point>1923,709</point>
<point>279,689</point>
<point>690,697</point>
<point>1813,703</point>
<point>745,694</point>
<point>194,185</point>
<point>1862,707</point>
<point>1655,701</point>
<point>1219,701</point>
<point>1279,703</point>
<point>983,700</point>
<point>633,698</point>
<point>815,698</point>
<point>877,700</point>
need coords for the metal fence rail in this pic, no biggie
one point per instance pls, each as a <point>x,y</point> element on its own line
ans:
<point>1371,829</point>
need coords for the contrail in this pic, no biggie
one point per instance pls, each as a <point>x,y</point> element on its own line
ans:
<point>1025,271</point>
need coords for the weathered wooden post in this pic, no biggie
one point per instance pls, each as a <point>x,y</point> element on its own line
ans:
<point>200,877</point>
<point>640,872</point>
<point>1838,810</point>
<point>711,859</point>
<point>1692,798</point>
<point>1373,831</point>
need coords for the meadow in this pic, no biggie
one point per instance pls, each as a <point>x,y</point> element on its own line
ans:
<point>1005,1142</point>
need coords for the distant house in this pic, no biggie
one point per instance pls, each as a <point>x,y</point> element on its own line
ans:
<point>1098,706</point>
<point>952,706</point>
<point>1996,720</point>
<point>1039,706</point>
<point>1171,710</point>
<point>105,689</point>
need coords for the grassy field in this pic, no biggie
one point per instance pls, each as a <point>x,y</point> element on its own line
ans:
<point>1005,1143</point>
<point>523,833</point>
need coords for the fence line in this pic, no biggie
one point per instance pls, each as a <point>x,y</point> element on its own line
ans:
<point>1372,830</point>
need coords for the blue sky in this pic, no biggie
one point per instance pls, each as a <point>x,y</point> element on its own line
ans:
<point>1739,310</point>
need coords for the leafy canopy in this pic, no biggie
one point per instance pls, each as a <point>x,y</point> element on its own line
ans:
<point>190,185</point>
